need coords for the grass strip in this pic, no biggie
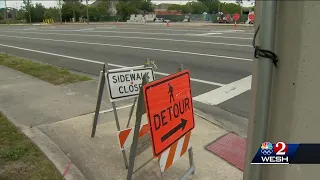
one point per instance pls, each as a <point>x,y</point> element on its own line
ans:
<point>52,74</point>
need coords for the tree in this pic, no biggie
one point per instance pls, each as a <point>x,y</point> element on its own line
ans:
<point>75,6</point>
<point>144,5</point>
<point>103,8</point>
<point>213,5</point>
<point>1,14</point>
<point>197,7</point>
<point>36,11</point>
<point>176,7</point>
<point>186,9</point>
<point>239,2</point>
<point>73,9</point>
<point>21,14</point>
<point>27,6</point>
<point>127,7</point>
<point>230,8</point>
<point>101,11</point>
<point>52,13</point>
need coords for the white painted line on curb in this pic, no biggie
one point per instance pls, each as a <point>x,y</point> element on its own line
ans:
<point>98,62</point>
<point>226,92</point>
<point>135,47</point>
<point>126,37</point>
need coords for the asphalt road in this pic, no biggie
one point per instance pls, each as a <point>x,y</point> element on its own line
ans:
<point>219,59</point>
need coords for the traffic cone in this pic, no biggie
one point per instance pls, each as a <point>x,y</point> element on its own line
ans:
<point>167,24</point>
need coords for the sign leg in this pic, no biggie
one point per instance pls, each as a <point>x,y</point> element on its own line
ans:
<point>191,162</point>
<point>118,127</point>
<point>100,93</point>
<point>139,113</point>
<point>162,176</point>
<point>131,111</point>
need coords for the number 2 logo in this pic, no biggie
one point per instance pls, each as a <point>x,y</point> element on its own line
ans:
<point>281,148</point>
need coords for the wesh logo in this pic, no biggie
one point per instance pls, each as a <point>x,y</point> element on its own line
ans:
<point>269,153</point>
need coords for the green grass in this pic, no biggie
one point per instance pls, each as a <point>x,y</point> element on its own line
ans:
<point>20,159</point>
<point>46,72</point>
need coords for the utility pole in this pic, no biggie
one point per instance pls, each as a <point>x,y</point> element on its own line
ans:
<point>87,12</point>
<point>60,14</point>
<point>29,11</point>
<point>6,13</point>
<point>288,111</point>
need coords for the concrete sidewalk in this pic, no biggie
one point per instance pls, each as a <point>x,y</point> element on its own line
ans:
<point>61,119</point>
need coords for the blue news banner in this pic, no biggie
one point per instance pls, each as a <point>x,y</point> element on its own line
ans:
<point>282,153</point>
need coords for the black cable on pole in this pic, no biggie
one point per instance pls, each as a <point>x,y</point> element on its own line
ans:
<point>258,52</point>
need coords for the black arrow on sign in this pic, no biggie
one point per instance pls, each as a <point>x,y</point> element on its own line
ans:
<point>182,125</point>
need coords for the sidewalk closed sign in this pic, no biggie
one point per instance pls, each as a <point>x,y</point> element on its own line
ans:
<point>126,83</point>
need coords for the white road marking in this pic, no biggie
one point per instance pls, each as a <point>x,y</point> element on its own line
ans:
<point>135,47</point>
<point>226,92</point>
<point>231,37</point>
<point>165,74</point>
<point>91,29</point>
<point>123,32</point>
<point>126,37</point>
<point>146,33</point>
<point>53,54</point>
<point>98,62</point>
<point>205,34</point>
<point>178,30</point>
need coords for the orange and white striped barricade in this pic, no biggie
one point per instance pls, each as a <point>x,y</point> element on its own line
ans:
<point>174,152</point>
<point>125,137</point>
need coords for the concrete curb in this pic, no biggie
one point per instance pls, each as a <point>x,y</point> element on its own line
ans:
<point>54,154</point>
<point>225,120</point>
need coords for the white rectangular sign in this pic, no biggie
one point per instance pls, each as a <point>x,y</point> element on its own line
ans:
<point>126,83</point>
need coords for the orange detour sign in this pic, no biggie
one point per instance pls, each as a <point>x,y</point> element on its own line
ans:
<point>169,108</point>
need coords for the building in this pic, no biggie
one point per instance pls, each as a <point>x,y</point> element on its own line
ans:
<point>11,13</point>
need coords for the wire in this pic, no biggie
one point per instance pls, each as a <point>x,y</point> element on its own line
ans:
<point>258,52</point>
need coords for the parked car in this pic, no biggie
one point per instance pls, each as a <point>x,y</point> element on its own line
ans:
<point>158,20</point>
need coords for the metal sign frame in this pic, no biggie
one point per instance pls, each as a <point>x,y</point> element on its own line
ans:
<point>102,82</point>
<point>133,150</point>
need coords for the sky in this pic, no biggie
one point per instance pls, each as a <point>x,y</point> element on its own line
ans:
<point>47,3</point>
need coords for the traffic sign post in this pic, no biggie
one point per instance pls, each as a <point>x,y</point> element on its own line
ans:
<point>251,17</point>
<point>100,93</point>
<point>140,111</point>
<point>235,17</point>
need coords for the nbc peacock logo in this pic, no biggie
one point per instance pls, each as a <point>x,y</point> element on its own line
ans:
<point>266,148</point>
